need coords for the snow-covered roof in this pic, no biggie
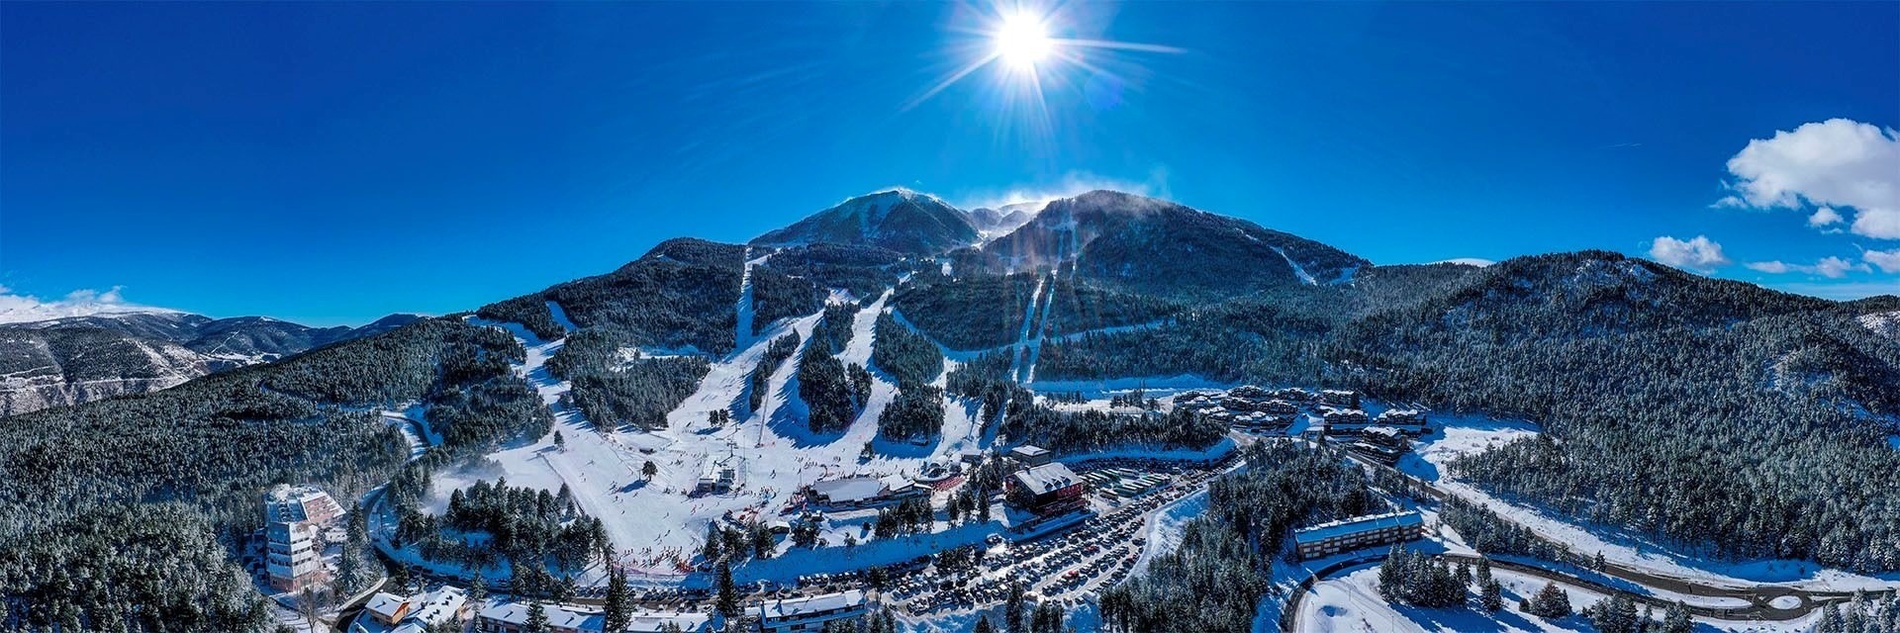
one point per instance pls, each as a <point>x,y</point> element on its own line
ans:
<point>517,613</point>
<point>656,621</point>
<point>849,489</point>
<point>1029,450</point>
<point>385,604</point>
<point>288,504</point>
<point>1356,525</point>
<point>1047,478</point>
<point>802,607</point>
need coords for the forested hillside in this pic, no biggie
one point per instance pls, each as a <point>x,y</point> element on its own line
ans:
<point>1706,412</point>
<point>210,446</point>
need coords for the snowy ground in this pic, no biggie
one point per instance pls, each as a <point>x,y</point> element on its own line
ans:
<point>1351,603</point>
<point>1459,435</point>
<point>660,524</point>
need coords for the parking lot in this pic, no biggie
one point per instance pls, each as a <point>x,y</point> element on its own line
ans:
<point>1067,568</point>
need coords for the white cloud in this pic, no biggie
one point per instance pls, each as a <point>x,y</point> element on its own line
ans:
<point>1829,267</point>
<point>19,308</point>
<point>1699,253</point>
<point>1838,291</point>
<point>1835,164</point>
<point>1886,261</point>
<point>1071,184</point>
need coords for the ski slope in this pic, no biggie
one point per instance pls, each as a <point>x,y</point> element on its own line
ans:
<point>659,525</point>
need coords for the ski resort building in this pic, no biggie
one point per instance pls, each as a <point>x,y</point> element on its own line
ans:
<point>810,613</point>
<point>718,476</point>
<point>1384,444</point>
<point>391,613</point>
<point>1358,532</point>
<point>1029,456</point>
<point>1345,421</point>
<point>1046,489</point>
<point>864,491</point>
<point>512,617</point>
<point>1409,421</point>
<point>1340,398</point>
<point>294,519</point>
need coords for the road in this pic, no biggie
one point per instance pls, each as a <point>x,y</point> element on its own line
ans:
<point>1760,598</point>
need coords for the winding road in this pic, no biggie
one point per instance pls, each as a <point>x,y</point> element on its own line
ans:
<point>1761,598</point>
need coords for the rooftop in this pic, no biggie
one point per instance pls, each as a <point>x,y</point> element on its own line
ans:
<point>1047,478</point>
<point>799,607</point>
<point>1355,525</point>
<point>517,613</point>
<point>848,489</point>
<point>1029,450</point>
<point>292,504</point>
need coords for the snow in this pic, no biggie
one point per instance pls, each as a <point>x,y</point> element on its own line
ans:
<point>1883,323</point>
<point>1166,527</point>
<point>660,524</point>
<point>1297,269</point>
<point>1352,603</point>
<point>1459,435</point>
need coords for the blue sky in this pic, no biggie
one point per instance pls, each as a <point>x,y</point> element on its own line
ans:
<point>330,163</point>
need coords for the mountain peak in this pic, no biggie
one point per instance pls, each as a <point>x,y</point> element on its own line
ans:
<point>898,219</point>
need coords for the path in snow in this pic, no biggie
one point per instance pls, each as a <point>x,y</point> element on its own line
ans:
<point>1461,435</point>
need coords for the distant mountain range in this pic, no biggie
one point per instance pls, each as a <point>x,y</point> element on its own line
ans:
<point>76,359</point>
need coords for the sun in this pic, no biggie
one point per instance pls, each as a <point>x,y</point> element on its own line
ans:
<point>1023,40</point>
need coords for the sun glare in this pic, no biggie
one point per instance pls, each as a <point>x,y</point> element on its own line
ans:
<point>1023,40</point>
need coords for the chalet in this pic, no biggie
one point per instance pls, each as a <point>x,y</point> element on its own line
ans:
<point>1344,421</point>
<point>1410,421</point>
<point>1279,407</point>
<point>1340,398</point>
<point>1028,455</point>
<point>1327,539</point>
<point>391,613</point>
<point>1046,489</point>
<point>1294,394</point>
<point>787,615</point>
<point>1384,444</point>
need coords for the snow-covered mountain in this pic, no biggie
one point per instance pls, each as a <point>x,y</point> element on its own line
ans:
<point>899,219</point>
<point>1152,244</point>
<point>77,359</point>
<point>992,222</point>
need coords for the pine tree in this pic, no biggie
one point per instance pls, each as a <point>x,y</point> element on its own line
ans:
<point>1015,619</point>
<point>1676,620</point>
<point>352,566</point>
<point>983,625</point>
<point>619,601</point>
<point>560,443</point>
<point>649,470</point>
<point>1491,595</point>
<point>1551,602</point>
<point>478,590</point>
<point>728,594</point>
<point>537,618</point>
<point>713,540</point>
